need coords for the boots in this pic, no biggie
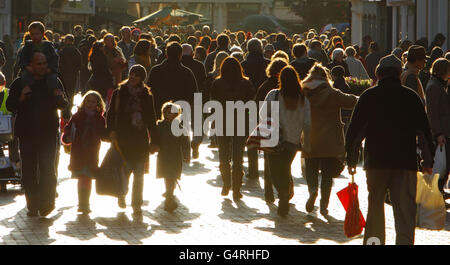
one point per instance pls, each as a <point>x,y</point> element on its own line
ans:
<point>283,205</point>
<point>226,179</point>
<point>310,203</point>
<point>237,184</point>
<point>170,204</point>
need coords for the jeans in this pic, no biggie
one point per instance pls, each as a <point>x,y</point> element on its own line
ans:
<point>402,185</point>
<point>280,171</point>
<point>38,171</point>
<point>231,148</point>
<point>327,166</point>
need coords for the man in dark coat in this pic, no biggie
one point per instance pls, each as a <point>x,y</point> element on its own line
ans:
<point>37,128</point>
<point>198,69</point>
<point>171,80</point>
<point>302,62</point>
<point>255,68</point>
<point>69,67</point>
<point>222,45</point>
<point>390,134</point>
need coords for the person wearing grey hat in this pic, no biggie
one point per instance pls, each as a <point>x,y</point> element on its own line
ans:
<point>390,117</point>
<point>416,60</point>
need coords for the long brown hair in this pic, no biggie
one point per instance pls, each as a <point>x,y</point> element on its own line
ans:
<point>231,70</point>
<point>290,87</point>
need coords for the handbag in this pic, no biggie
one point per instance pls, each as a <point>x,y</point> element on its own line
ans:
<point>112,176</point>
<point>264,132</point>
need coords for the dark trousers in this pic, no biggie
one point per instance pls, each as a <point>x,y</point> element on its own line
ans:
<point>280,171</point>
<point>268,189</point>
<point>327,167</point>
<point>252,155</point>
<point>137,168</point>
<point>38,170</point>
<point>402,185</point>
<point>231,148</point>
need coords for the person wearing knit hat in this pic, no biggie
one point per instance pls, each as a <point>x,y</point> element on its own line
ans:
<point>390,118</point>
<point>135,33</point>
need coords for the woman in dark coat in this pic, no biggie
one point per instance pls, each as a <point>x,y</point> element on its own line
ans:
<point>231,85</point>
<point>273,71</point>
<point>101,79</point>
<point>438,109</point>
<point>131,117</point>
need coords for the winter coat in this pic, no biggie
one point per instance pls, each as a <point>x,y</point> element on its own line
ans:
<point>133,142</point>
<point>255,68</point>
<point>171,81</point>
<point>303,65</point>
<point>239,90</point>
<point>327,133</point>
<point>372,60</point>
<point>264,89</point>
<point>319,56</point>
<point>172,150</point>
<point>101,79</point>
<point>356,68</point>
<point>46,48</point>
<point>69,63</point>
<point>37,115</point>
<point>197,68</point>
<point>438,106</point>
<point>390,117</point>
<point>343,64</point>
<point>89,131</point>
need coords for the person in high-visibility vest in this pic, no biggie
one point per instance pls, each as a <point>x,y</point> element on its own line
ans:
<point>14,144</point>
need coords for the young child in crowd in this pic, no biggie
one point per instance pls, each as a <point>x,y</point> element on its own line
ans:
<point>38,43</point>
<point>84,133</point>
<point>173,151</point>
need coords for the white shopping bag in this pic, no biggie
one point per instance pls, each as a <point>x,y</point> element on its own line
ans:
<point>431,212</point>
<point>440,162</point>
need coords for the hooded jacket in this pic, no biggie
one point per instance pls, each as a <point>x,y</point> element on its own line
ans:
<point>327,132</point>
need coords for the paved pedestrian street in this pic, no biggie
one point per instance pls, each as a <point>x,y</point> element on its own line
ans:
<point>204,216</point>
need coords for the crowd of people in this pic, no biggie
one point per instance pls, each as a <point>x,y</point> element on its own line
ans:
<point>129,83</point>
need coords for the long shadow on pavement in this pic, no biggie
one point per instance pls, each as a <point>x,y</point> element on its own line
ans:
<point>82,228</point>
<point>305,228</point>
<point>122,228</point>
<point>172,223</point>
<point>30,230</point>
<point>194,169</point>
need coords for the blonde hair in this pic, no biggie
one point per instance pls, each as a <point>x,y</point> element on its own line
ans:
<point>171,107</point>
<point>318,72</point>
<point>280,54</point>
<point>100,102</point>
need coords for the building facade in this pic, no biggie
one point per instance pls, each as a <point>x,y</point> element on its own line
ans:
<point>5,17</point>
<point>415,19</point>
<point>223,14</point>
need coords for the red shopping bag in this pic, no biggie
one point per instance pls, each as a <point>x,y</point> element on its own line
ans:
<point>354,220</point>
